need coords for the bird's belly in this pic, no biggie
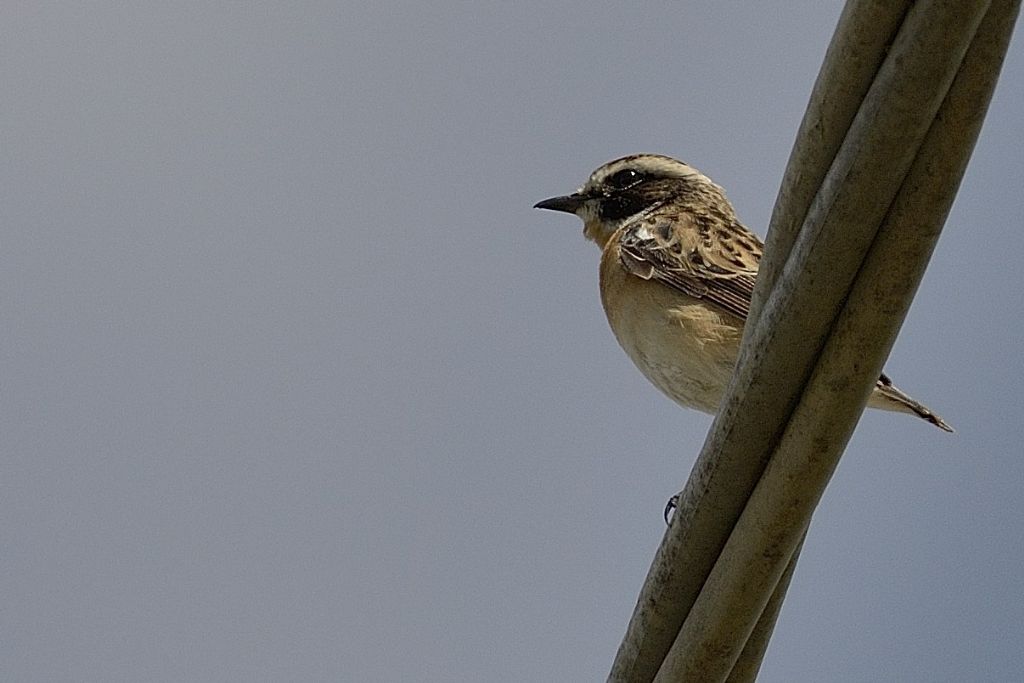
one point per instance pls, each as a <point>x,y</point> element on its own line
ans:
<point>681,346</point>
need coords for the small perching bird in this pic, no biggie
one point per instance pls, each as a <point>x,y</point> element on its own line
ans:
<point>677,275</point>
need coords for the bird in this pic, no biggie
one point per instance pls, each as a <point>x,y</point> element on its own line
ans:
<point>677,274</point>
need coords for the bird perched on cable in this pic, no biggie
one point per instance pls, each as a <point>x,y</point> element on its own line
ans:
<point>677,275</point>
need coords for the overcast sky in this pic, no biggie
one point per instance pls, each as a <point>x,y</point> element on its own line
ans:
<point>297,386</point>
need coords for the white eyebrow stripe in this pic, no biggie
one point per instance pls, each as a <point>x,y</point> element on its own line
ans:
<point>651,164</point>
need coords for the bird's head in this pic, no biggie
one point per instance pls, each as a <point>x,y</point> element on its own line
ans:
<point>622,189</point>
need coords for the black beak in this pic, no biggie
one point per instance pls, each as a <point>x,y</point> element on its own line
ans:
<point>569,203</point>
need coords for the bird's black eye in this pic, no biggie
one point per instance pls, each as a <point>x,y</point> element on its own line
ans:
<point>626,178</point>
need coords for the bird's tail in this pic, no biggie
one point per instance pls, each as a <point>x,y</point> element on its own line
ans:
<point>888,397</point>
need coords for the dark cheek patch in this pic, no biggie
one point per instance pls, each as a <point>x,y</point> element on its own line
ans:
<point>616,208</point>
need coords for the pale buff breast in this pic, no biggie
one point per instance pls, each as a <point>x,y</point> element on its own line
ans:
<point>682,346</point>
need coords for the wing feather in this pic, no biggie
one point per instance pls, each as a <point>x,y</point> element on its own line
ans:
<point>701,256</point>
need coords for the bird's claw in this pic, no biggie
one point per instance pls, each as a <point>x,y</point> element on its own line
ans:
<point>670,507</point>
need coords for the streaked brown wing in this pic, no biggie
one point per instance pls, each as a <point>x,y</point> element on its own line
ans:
<point>696,255</point>
<point>681,253</point>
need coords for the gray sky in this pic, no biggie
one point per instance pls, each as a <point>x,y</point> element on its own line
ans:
<point>297,386</point>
